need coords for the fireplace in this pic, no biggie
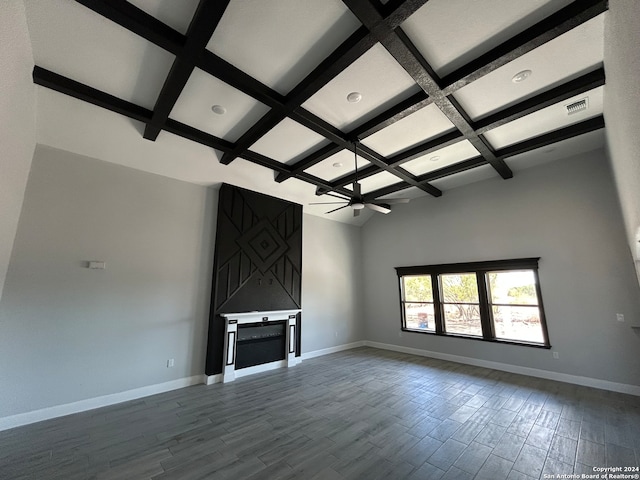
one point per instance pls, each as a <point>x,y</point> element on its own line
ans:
<point>258,341</point>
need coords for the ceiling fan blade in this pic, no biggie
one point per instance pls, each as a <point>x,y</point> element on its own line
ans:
<point>337,196</point>
<point>377,208</point>
<point>393,201</point>
<point>356,212</point>
<point>326,203</point>
<point>336,209</point>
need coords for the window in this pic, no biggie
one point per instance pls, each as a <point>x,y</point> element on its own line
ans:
<point>497,301</point>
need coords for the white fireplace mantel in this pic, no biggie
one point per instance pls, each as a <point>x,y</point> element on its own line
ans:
<point>231,322</point>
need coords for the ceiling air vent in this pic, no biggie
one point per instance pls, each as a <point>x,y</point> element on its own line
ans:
<point>579,106</point>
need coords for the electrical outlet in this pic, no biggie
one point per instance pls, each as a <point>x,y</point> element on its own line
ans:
<point>620,317</point>
<point>170,363</point>
<point>556,355</point>
<point>336,334</point>
<point>400,334</point>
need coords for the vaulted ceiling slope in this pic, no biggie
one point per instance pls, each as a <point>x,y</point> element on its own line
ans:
<point>451,91</point>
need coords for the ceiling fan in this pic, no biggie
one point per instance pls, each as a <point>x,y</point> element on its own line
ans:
<point>357,202</point>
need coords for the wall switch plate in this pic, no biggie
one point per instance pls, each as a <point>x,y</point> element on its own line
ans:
<point>170,363</point>
<point>620,317</point>
<point>97,265</point>
<point>556,355</point>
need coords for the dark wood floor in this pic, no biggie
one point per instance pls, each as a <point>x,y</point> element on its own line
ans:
<point>360,414</point>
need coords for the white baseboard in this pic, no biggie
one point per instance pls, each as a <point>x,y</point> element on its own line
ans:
<point>211,379</point>
<point>106,400</point>
<point>327,351</point>
<point>505,367</point>
<point>96,402</point>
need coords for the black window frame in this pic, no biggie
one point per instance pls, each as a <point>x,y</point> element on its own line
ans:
<point>480,269</point>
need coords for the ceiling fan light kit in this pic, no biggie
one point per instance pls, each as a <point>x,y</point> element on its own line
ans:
<point>357,202</point>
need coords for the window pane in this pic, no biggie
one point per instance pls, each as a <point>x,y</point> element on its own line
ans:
<point>518,323</point>
<point>460,288</point>
<point>420,316</point>
<point>417,288</point>
<point>513,288</point>
<point>463,319</point>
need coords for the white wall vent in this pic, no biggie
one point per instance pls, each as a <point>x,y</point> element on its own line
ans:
<point>579,106</point>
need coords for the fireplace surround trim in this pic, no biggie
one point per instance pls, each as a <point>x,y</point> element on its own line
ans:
<point>231,322</point>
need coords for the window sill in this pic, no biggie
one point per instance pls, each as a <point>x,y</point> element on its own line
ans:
<point>469,337</point>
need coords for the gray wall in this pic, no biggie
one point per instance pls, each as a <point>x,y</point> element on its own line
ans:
<point>68,333</point>
<point>331,279</point>
<point>622,109</point>
<point>17,123</point>
<point>566,213</point>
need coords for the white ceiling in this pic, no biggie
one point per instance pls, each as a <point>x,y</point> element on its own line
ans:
<point>279,42</point>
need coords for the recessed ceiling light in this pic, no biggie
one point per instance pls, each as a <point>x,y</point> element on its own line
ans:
<point>337,164</point>
<point>521,76</point>
<point>354,97</point>
<point>435,158</point>
<point>219,110</point>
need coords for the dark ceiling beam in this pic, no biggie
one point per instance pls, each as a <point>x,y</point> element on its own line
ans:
<point>96,97</point>
<point>194,45</point>
<point>551,97</point>
<point>202,26</point>
<point>350,50</point>
<point>99,98</point>
<point>233,76</point>
<point>148,27</point>
<point>429,177</point>
<point>407,55</point>
<point>384,119</point>
<point>403,109</point>
<point>396,160</point>
<point>426,148</point>
<point>565,133</point>
<point>349,178</point>
<point>402,174</point>
<point>323,186</point>
<point>138,21</point>
<point>574,87</point>
<point>569,17</point>
<point>59,83</point>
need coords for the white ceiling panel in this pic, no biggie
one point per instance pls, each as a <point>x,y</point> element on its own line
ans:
<point>546,120</point>
<point>177,15</point>
<point>467,177</point>
<point>442,158</point>
<point>422,125</point>
<point>564,149</point>
<point>379,180</point>
<point>377,76</point>
<point>567,56</point>
<point>344,162</point>
<point>451,33</point>
<point>69,39</point>
<point>288,142</point>
<point>202,92</point>
<point>280,42</point>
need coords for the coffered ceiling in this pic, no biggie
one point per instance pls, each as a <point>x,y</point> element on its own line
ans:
<point>441,106</point>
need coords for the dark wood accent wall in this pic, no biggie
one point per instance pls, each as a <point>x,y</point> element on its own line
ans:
<point>257,261</point>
